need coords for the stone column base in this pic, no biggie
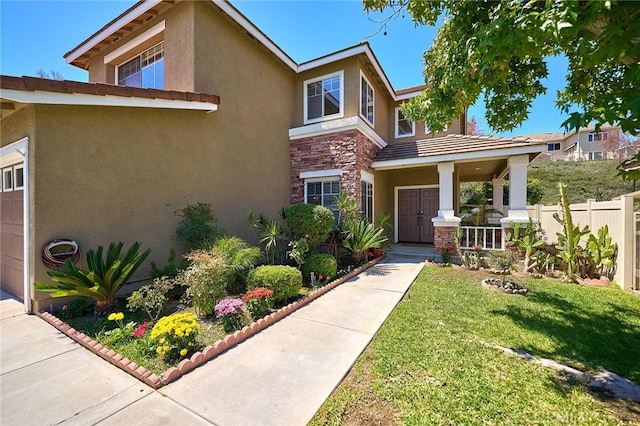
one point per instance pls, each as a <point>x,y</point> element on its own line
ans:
<point>445,237</point>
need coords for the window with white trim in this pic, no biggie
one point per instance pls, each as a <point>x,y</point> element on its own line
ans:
<point>597,137</point>
<point>595,155</point>
<point>404,127</point>
<point>323,192</point>
<point>366,199</point>
<point>553,146</point>
<point>18,177</point>
<point>367,97</point>
<point>323,97</point>
<point>7,179</point>
<point>145,70</point>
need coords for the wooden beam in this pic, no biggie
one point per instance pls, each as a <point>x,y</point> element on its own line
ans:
<point>7,105</point>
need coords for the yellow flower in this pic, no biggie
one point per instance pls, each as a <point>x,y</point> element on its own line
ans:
<point>183,352</point>
<point>111,317</point>
<point>119,316</point>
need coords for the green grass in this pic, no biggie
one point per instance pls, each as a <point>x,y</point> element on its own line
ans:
<point>579,177</point>
<point>428,363</point>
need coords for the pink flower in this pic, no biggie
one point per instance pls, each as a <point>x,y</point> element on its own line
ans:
<point>65,307</point>
<point>139,332</point>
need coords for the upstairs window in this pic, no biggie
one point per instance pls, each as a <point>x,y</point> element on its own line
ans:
<point>553,147</point>
<point>366,99</point>
<point>597,137</point>
<point>145,70</point>
<point>404,127</point>
<point>323,97</point>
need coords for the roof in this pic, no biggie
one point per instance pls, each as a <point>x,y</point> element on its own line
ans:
<point>545,137</point>
<point>454,147</point>
<point>47,91</point>
<point>144,11</point>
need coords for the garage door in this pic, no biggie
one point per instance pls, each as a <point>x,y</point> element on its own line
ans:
<point>12,225</point>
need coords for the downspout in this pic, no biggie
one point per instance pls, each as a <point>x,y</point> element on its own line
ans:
<point>26,238</point>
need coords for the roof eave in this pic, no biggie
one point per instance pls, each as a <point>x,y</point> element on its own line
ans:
<point>461,157</point>
<point>55,98</point>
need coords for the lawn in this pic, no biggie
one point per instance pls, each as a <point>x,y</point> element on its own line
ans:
<point>430,362</point>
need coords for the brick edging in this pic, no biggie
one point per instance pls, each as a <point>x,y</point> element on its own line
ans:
<point>208,353</point>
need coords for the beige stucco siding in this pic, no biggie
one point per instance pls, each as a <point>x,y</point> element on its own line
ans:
<point>105,174</point>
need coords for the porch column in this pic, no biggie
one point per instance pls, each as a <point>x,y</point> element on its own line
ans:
<point>446,223</point>
<point>498,199</point>
<point>518,213</point>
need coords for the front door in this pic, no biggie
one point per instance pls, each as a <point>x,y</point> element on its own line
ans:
<point>416,207</point>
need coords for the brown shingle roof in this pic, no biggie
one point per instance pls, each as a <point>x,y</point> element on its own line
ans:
<point>447,145</point>
<point>31,84</point>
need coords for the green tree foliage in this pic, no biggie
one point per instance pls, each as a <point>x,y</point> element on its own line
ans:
<point>198,227</point>
<point>309,221</point>
<point>499,49</point>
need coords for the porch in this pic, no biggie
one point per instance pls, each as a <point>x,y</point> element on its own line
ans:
<point>419,181</point>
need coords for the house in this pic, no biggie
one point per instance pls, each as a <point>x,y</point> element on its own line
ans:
<point>189,101</point>
<point>585,144</point>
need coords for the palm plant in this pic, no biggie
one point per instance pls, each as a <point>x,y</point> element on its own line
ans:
<point>103,278</point>
<point>238,257</point>
<point>362,236</point>
<point>269,232</point>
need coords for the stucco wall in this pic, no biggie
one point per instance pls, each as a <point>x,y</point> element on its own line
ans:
<point>105,174</point>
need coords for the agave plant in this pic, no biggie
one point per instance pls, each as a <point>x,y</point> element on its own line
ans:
<point>362,236</point>
<point>103,278</point>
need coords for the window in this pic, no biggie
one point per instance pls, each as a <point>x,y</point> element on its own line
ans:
<point>553,147</point>
<point>366,99</point>
<point>323,97</point>
<point>596,137</point>
<point>323,192</point>
<point>18,177</point>
<point>366,201</point>
<point>595,155</point>
<point>145,70</point>
<point>404,127</point>
<point>7,179</point>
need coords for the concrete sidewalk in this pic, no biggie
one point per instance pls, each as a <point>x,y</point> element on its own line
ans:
<point>281,376</point>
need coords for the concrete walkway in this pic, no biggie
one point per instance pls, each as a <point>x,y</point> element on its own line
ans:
<point>280,376</point>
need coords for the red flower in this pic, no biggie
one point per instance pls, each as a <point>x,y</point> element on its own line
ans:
<point>139,332</point>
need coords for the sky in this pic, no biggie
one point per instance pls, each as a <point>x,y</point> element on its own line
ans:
<point>35,35</point>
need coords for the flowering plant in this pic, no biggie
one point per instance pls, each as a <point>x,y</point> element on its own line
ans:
<point>139,332</point>
<point>176,336</point>
<point>447,251</point>
<point>230,313</point>
<point>122,332</point>
<point>258,302</point>
<point>476,248</point>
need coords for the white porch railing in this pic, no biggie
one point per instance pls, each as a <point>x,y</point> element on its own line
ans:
<point>486,237</point>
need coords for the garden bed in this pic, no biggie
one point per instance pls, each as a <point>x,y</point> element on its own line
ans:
<point>209,352</point>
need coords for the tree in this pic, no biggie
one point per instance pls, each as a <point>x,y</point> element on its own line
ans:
<point>53,75</point>
<point>499,48</point>
<point>473,127</point>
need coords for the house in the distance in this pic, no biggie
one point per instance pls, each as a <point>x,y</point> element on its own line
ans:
<point>189,101</point>
<point>585,144</point>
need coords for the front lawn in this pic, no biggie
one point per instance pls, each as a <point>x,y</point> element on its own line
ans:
<point>430,362</point>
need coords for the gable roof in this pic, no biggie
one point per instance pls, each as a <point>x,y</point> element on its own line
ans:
<point>453,148</point>
<point>47,91</point>
<point>144,11</point>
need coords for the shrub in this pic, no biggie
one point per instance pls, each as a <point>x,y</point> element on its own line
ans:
<point>285,281</point>
<point>321,264</point>
<point>151,298</point>
<point>198,226</point>
<point>103,278</point>
<point>75,308</point>
<point>239,258</point>
<point>176,336</point>
<point>171,269</point>
<point>205,279</point>
<point>361,236</point>
<point>309,221</point>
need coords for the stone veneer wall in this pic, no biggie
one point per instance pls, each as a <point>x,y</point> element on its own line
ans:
<point>445,236</point>
<point>350,151</point>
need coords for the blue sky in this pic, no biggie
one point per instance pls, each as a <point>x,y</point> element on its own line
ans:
<point>34,35</point>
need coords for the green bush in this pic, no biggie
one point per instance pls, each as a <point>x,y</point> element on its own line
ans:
<point>285,281</point>
<point>206,280</point>
<point>320,264</point>
<point>198,227</point>
<point>309,221</point>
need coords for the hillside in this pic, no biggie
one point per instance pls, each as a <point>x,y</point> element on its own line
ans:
<point>584,180</point>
